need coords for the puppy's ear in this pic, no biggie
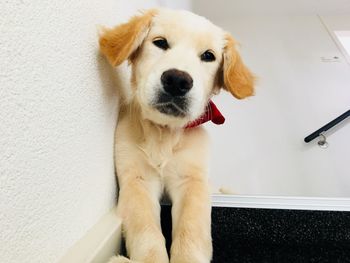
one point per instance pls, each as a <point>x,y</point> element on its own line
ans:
<point>118,44</point>
<point>236,78</point>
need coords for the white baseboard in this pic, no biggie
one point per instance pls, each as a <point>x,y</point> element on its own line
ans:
<point>282,202</point>
<point>99,244</point>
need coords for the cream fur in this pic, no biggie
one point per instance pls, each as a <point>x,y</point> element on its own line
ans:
<point>154,153</point>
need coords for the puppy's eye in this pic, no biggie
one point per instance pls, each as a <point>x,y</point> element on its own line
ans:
<point>161,43</point>
<point>208,56</point>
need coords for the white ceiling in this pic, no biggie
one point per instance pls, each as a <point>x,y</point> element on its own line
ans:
<point>226,8</point>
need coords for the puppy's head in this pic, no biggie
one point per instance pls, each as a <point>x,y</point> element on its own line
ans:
<point>179,60</point>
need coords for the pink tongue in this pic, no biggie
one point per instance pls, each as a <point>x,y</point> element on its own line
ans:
<point>211,114</point>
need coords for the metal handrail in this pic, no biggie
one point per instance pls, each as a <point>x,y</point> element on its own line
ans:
<point>326,127</point>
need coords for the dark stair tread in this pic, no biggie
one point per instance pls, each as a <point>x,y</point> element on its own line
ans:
<point>249,235</point>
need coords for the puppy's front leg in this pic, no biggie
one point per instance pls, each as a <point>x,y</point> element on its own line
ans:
<point>191,219</point>
<point>138,205</point>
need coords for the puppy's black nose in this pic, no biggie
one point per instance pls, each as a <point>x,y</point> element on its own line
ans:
<point>176,82</point>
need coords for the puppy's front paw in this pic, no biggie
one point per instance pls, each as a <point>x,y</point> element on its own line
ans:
<point>189,260</point>
<point>181,254</point>
<point>120,259</point>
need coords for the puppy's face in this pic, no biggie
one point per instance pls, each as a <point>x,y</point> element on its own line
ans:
<point>179,60</point>
<point>176,67</point>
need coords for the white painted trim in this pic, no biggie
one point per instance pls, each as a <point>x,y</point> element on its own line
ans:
<point>335,39</point>
<point>282,202</point>
<point>99,244</point>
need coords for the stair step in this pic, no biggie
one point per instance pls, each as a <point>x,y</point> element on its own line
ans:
<point>257,235</point>
<point>275,235</point>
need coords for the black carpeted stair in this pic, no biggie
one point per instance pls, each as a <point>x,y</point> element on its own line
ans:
<point>254,235</point>
<point>245,235</point>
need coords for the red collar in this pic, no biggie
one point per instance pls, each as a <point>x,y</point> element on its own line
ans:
<point>211,114</point>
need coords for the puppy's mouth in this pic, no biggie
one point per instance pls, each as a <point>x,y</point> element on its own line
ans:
<point>173,106</point>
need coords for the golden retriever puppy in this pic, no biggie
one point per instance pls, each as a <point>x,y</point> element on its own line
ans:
<point>179,60</point>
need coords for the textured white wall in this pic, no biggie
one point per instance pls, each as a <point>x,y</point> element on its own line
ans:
<point>57,119</point>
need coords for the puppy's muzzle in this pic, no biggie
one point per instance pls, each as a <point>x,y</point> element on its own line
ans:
<point>176,82</point>
<point>172,99</point>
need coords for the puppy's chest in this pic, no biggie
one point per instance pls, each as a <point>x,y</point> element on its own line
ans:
<point>158,151</point>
